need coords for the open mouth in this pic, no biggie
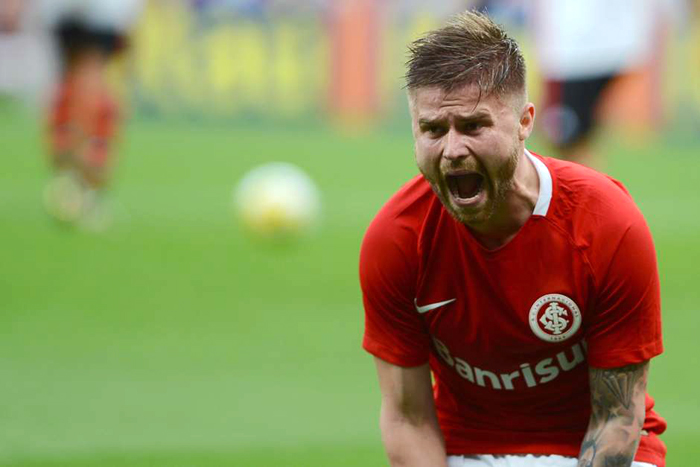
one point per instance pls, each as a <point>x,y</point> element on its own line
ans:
<point>465,186</point>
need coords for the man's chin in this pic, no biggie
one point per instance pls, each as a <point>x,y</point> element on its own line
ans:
<point>469,216</point>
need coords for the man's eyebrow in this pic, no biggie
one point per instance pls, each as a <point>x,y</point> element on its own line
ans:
<point>428,120</point>
<point>480,115</point>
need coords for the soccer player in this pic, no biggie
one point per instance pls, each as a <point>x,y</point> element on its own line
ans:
<point>84,117</point>
<point>526,285</point>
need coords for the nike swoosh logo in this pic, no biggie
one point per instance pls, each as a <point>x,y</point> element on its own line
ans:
<point>432,306</point>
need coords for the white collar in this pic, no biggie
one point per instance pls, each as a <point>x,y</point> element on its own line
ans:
<point>545,195</point>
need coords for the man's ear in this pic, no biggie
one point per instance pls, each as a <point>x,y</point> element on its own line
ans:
<point>527,121</point>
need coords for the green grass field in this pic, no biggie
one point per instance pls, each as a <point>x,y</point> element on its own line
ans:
<point>173,340</point>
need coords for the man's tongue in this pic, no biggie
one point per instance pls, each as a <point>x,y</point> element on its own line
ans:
<point>466,186</point>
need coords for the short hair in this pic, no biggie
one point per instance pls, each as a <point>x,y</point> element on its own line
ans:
<point>471,49</point>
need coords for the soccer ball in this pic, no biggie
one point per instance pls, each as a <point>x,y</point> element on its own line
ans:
<point>277,201</point>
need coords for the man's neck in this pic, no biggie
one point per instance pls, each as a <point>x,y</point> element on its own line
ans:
<point>514,211</point>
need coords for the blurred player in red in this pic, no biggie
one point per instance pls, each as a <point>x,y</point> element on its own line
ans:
<point>526,285</point>
<point>84,115</point>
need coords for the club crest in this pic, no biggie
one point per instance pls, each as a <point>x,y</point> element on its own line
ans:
<point>554,317</point>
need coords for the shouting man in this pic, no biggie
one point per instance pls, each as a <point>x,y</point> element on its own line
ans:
<point>525,287</point>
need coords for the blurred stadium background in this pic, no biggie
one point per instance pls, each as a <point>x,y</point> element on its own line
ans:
<point>172,339</point>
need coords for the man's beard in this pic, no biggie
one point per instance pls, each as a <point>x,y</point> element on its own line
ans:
<point>500,187</point>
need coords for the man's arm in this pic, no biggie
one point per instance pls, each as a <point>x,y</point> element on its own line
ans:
<point>617,416</point>
<point>408,421</point>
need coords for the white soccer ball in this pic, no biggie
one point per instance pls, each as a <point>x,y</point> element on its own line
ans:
<point>276,201</point>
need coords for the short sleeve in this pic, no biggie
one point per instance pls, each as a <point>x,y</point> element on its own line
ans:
<point>394,331</point>
<point>626,324</point>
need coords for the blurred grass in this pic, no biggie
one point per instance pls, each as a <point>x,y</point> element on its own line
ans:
<point>173,340</point>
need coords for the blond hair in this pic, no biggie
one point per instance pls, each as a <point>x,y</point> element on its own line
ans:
<point>471,49</point>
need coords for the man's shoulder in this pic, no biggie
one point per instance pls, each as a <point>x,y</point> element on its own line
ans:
<point>395,229</point>
<point>595,210</point>
<point>590,198</point>
<point>584,180</point>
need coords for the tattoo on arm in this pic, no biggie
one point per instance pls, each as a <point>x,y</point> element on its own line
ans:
<point>617,416</point>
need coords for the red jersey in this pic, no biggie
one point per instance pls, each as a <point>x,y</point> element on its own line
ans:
<point>509,333</point>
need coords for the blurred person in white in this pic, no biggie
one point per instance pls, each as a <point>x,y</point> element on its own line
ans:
<point>26,61</point>
<point>582,47</point>
<point>83,115</point>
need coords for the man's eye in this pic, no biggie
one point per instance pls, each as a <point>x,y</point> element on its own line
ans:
<point>472,127</point>
<point>433,130</point>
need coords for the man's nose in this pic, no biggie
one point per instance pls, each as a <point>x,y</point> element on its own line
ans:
<point>455,146</point>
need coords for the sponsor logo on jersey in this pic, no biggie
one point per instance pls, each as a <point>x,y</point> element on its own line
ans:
<point>554,317</point>
<point>526,375</point>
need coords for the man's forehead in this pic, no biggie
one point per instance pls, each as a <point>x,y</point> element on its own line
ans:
<point>432,101</point>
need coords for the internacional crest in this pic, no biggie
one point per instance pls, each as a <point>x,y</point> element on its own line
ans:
<point>554,317</point>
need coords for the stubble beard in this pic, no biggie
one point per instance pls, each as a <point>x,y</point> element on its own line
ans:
<point>505,180</point>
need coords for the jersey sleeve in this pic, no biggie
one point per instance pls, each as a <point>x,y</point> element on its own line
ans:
<point>626,328</point>
<point>394,331</point>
